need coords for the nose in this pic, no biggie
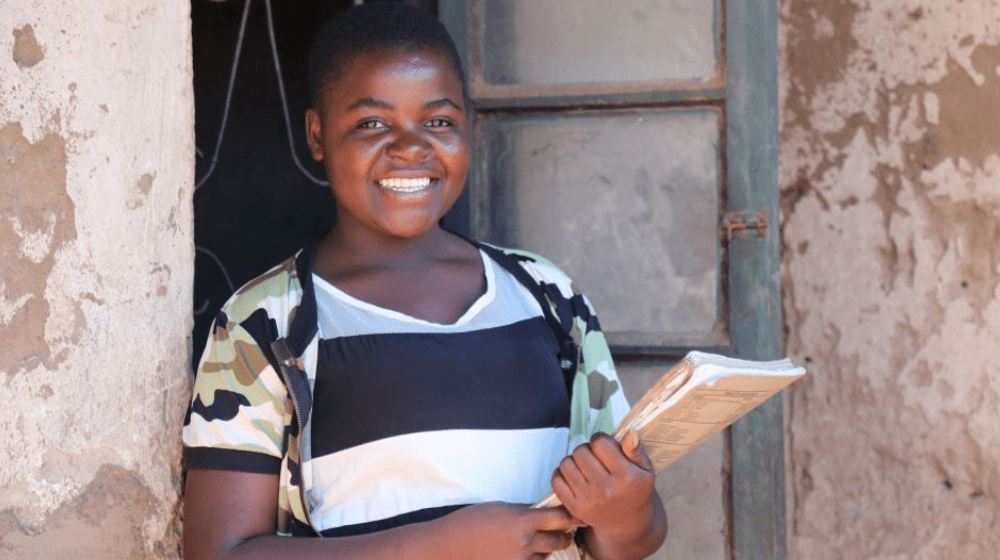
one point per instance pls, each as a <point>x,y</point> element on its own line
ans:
<point>409,145</point>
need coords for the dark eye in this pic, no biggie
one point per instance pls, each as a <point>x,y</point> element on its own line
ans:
<point>438,123</point>
<point>372,124</point>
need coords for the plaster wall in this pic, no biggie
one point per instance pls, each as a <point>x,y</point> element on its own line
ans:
<point>890,170</point>
<point>96,150</point>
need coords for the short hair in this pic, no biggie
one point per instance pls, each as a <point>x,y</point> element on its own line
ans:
<point>375,27</point>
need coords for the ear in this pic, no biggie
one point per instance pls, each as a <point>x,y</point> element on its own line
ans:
<point>314,134</point>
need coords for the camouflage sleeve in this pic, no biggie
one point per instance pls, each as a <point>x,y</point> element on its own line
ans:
<point>606,399</point>
<point>240,405</point>
<point>598,401</point>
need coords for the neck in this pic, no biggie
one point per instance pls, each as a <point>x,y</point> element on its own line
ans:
<point>350,246</point>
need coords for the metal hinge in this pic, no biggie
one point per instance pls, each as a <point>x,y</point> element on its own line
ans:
<point>751,222</point>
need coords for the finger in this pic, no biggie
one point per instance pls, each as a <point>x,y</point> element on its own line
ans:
<point>562,489</point>
<point>571,473</point>
<point>633,449</point>
<point>610,453</point>
<point>553,519</point>
<point>550,541</point>
<point>590,466</point>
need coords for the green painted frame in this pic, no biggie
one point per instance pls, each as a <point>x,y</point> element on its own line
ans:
<point>757,520</point>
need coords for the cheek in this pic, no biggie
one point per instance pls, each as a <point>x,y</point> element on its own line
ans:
<point>352,160</point>
<point>457,152</point>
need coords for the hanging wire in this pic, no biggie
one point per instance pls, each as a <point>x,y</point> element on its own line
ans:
<point>225,275</point>
<point>229,95</point>
<point>284,98</point>
<point>225,119</point>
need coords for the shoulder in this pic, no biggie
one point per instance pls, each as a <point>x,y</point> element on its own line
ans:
<point>542,271</point>
<point>274,293</point>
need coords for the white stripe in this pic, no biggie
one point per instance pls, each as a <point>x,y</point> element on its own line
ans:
<point>480,302</point>
<point>505,302</point>
<point>406,473</point>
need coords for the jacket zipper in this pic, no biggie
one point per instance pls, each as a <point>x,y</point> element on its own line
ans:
<point>286,360</point>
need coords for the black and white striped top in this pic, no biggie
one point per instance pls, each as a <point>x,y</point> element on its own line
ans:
<point>413,419</point>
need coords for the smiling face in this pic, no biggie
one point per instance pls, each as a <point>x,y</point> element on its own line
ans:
<point>392,134</point>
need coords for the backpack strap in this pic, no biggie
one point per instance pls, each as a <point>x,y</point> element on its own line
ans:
<point>569,352</point>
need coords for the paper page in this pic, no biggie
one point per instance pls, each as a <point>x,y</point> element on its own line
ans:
<point>702,412</point>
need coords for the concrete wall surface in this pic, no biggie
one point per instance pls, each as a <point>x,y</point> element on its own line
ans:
<point>96,159</point>
<point>890,158</point>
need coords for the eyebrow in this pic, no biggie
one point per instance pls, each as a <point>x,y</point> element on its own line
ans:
<point>441,103</point>
<point>369,102</point>
<point>379,104</point>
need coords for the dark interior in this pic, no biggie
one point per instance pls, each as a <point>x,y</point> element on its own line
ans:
<point>256,208</point>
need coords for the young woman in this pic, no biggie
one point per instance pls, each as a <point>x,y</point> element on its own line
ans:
<point>394,387</point>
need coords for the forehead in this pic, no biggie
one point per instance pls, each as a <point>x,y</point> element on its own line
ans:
<point>397,68</point>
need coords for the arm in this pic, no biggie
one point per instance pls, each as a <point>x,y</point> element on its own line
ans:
<point>231,515</point>
<point>610,487</point>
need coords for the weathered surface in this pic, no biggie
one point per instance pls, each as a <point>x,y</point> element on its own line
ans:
<point>104,520</point>
<point>891,225</point>
<point>96,130</point>
<point>27,51</point>
<point>37,221</point>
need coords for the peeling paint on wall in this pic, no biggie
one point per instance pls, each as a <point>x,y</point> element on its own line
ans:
<point>27,51</point>
<point>958,125</point>
<point>891,231</point>
<point>141,190</point>
<point>36,219</point>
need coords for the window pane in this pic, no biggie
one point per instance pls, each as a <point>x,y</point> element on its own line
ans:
<point>627,204</point>
<point>597,40</point>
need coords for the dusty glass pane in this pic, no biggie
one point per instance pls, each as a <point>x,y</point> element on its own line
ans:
<point>597,40</point>
<point>628,204</point>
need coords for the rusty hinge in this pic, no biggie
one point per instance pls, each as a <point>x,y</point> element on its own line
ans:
<point>752,222</point>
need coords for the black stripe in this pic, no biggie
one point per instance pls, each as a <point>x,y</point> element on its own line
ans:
<point>301,530</point>
<point>371,387</point>
<point>230,460</point>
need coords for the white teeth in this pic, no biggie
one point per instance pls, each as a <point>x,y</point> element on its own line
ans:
<point>405,185</point>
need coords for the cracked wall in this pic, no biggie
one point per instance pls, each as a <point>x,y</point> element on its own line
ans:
<point>890,162</point>
<point>96,229</point>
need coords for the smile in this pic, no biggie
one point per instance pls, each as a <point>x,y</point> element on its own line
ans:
<point>405,185</point>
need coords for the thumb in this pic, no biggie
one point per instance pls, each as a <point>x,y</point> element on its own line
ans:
<point>555,519</point>
<point>632,448</point>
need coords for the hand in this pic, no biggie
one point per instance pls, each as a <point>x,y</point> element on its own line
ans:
<point>507,532</point>
<point>607,485</point>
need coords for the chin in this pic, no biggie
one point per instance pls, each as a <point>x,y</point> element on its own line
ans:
<point>411,230</point>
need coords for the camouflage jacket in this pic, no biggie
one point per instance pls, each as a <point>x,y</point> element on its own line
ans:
<point>253,392</point>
